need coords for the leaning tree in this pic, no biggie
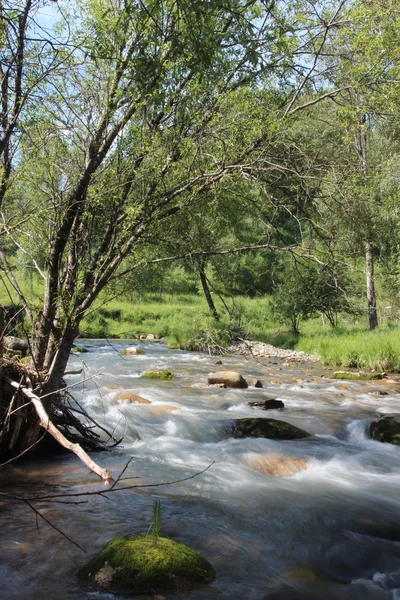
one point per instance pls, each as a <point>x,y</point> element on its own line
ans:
<point>119,118</point>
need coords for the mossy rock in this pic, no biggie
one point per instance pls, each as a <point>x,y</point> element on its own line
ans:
<point>77,348</point>
<point>359,376</point>
<point>138,564</point>
<point>162,374</point>
<point>268,428</point>
<point>386,430</point>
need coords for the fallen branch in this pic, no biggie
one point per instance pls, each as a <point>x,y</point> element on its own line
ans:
<point>47,424</point>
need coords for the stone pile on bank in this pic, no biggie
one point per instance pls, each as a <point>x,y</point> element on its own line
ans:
<point>261,350</point>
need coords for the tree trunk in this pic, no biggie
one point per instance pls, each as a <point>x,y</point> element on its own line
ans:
<point>59,365</point>
<point>206,291</point>
<point>371,296</point>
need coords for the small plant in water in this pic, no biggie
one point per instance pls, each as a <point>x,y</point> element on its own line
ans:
<point>154,529</point>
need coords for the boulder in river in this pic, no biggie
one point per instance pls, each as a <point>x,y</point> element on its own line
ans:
<point>386,429</point>
<point>77,348</point>
<point>230,379</point>
<point>144,565</point>
<point>269,404</point>
<point>133,351</point>
<point>268,428</point>
<point>277,465</point>
<point>132,398</point>
<point>255,382</point>
<point>163,374</point>
<point>16,344</point>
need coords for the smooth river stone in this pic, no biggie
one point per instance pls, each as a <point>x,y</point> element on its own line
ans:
<point>160,409</point>
<point>133,351</point>
<point>230,379</point>
<point>277,465</point>
<point>132,398</point>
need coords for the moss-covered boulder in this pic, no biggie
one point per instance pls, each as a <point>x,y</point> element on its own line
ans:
<point>268,428</point>
<point>158,374</point>
<point>133,351</point>
<point>139,564</point>
<point>81,349</point>
<point>387,430</point>
<point>229,379</point>
<point>357,376</point>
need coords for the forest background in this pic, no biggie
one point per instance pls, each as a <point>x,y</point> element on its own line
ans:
<point>206,171</point>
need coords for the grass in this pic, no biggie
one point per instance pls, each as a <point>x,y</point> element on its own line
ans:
<point>185,321</point>
<point>354,347</point>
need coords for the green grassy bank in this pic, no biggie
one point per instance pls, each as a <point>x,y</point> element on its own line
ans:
<point>185,322</point>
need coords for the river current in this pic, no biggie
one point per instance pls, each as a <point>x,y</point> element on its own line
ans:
<point>329,531</point>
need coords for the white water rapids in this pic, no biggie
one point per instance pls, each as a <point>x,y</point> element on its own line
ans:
<point>330,531</point>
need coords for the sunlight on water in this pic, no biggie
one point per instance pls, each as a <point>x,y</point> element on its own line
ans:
<point>320,515</point>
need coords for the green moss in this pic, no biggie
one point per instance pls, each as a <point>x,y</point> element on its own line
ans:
<point>77,348</point>
<point>356,376</point>
<point>25,360</point>
<point>165,374</point>
<point>386,430</point>
<point>136,564</point>
<point>268,428</point>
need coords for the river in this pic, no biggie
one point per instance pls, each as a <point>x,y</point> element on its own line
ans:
<point>329,531</point>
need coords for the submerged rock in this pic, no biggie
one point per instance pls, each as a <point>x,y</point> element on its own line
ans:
<point>270,404</point>
<point>268,428</point>
<point>158,374</point>
<point>387,430</point>
<point>132,398</point>
<point>229,379</point>
<point>277,465</point>
<point>133,351</point>
<point>141,564</point>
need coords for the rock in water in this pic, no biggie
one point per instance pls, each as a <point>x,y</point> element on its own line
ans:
<point>358,376</point>
<point>143,565</point>
<point>268,428</point>
<point>158,374</point>
<point>387,430</point>
<point>133,351</point>
<point>277,465</point>
<point>267,404</point>
<point>132,398</point>
<point>230,379</point>
<point>255,382</point>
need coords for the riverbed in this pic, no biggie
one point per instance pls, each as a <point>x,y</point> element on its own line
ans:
<point>330,530</point>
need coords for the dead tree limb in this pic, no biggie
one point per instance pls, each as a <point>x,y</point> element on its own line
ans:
<point>47,424</point>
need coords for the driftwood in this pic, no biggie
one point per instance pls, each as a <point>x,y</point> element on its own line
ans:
<point>49,426</point>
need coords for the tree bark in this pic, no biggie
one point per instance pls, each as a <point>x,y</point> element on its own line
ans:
<point>371,296</point>
<point>59,365</point>
<point>206,290</point>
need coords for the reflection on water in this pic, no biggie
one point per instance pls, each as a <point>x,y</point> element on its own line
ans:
<point>330,530</point>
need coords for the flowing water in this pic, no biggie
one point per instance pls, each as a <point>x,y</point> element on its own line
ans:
<point>331,530</point>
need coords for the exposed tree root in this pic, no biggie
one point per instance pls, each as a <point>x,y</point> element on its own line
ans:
<point>24,415</point>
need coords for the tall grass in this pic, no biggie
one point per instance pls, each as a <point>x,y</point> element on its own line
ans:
<point>356,347</point>
<point>185,321</point>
